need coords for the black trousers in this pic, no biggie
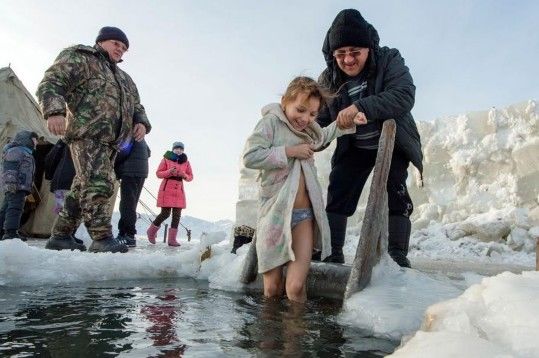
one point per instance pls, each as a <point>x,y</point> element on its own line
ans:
<point>130,189</point>
<point>11,211</point>
<point>349,174</point>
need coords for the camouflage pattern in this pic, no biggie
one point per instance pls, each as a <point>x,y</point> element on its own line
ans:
<point>18,164</point>
<point>92,188</point>
<point>99,100</point>
<point>101,104</point>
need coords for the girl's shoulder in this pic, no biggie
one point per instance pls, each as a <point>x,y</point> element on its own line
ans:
<point>270,118</point>
<point>273,122</point>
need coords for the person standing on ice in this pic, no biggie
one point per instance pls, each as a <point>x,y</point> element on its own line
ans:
<point>174,169</point>
<point>372,83</point>
<point>85,97</point>
<point>18,167</point>
<point>291,217</point>
<point>131,169</point>
<point>59,169</point>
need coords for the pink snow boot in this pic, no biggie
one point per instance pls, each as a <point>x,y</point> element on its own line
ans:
<point>152,233</point>
<point>172,237</point>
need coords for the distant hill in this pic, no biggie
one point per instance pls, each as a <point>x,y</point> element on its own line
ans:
<point>196,225</point>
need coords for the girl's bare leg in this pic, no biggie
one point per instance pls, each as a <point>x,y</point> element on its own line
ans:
<point>273,282</point>
<point>297,271</point>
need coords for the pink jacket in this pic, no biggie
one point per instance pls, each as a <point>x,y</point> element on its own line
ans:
<point>171,194</point>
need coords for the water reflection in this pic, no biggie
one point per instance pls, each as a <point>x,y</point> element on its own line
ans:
<point>285,328</point>
<point>290,329</point>
<point>171,318</point>
<point>51,323</point>
<point>163,324</point>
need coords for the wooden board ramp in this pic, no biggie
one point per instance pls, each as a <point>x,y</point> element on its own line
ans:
<point>250,264</point>
<point>341,281</point>
<point>373,237</point>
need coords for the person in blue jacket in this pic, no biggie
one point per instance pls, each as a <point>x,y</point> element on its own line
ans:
<point>18,168</point>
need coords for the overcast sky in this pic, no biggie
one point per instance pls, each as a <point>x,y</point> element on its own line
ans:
<point>205,68</point>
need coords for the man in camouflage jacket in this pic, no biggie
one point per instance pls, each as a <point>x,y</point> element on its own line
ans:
<point>87,98</point>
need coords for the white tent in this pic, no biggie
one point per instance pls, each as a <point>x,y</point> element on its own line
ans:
<point>19,111</point>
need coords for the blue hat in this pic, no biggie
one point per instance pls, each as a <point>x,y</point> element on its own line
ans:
<point>178,145</point>
<point>112,33</point>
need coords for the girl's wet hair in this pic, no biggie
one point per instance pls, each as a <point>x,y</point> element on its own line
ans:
<point>310,87</point>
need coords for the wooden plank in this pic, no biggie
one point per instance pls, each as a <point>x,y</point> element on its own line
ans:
<point>250,264</point>
<point>373,238</point>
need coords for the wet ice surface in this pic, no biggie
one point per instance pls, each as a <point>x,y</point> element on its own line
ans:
<point>155,298</point>
<point>170,317</point>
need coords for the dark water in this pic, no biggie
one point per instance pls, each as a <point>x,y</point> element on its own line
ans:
<point>172,318</point>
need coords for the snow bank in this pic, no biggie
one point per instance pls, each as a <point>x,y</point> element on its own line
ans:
<point>481,175</point>
<point>498,317</point>
<point>32,265</point>
<point>392,305</point>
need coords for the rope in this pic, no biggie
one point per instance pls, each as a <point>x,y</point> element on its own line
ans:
<point>150,211</point>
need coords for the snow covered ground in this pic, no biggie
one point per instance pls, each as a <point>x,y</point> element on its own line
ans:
<point>479,204</point>
<point>497,318</point>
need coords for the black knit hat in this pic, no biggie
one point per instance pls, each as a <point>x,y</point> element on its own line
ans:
<point>349,29</point>
<point>112,33</point>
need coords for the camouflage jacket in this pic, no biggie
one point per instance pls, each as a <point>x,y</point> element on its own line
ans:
<point>99,100</point>
<point>18,164</point>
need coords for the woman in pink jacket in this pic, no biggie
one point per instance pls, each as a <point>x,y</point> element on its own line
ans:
<point>174,169</point>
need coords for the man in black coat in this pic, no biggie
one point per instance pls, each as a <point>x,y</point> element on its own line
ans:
<point>132,169</point>
<point>372,83</point>
<point>60,170</point>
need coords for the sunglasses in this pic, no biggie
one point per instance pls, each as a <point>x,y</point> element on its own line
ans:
<point>340,55</point>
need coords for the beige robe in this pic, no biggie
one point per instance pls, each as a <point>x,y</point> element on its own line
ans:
<point>279,180</point>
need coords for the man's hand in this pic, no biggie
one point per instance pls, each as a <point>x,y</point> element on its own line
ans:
<point>350,116</point>
<point>360,118</point>
<point>139,131</point>
<point>345,118</point>
<point>300,151</point>
<point>57,125</point>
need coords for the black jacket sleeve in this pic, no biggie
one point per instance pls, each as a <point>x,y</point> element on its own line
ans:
<point>53,158</point>
<point>395,94</point>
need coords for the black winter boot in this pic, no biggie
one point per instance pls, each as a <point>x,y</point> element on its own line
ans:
<point>128,240</point>
<point>21,236</point>
<point>77,240</point>
<point>242,235</point>
<point>399,228</point>
<point>64,242</point>
<point>239,241</point>
<point>10,234</point>
<point>337,225</point>
<point>109,244</point>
